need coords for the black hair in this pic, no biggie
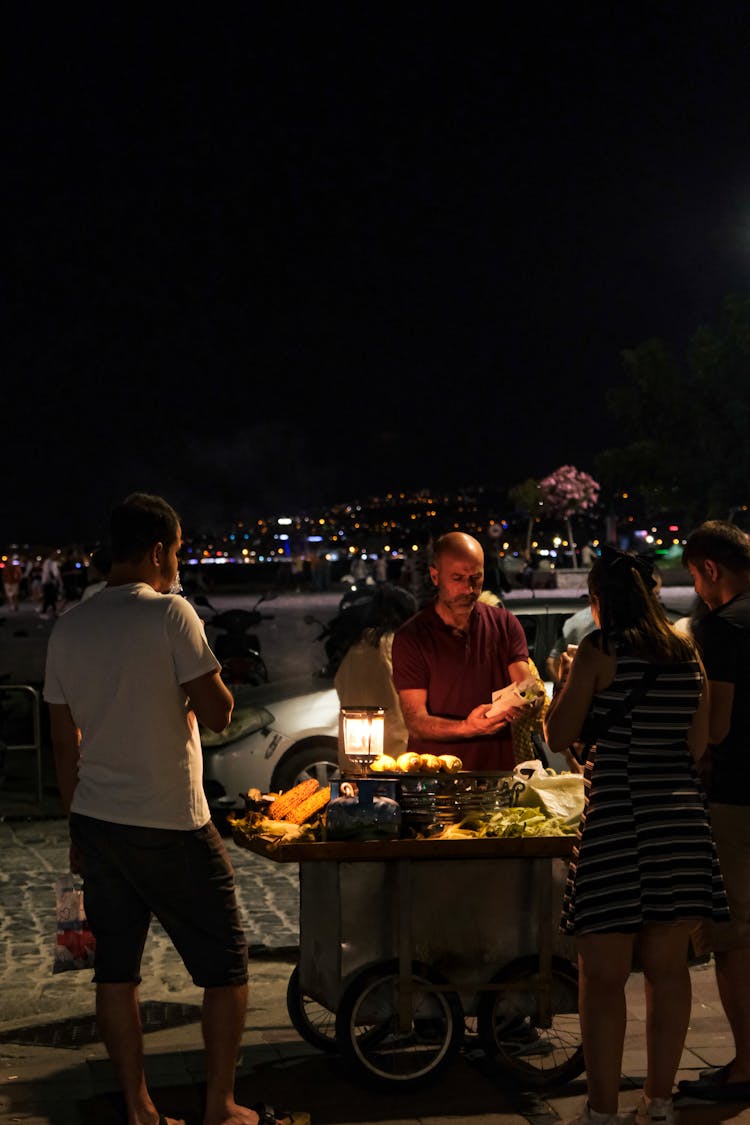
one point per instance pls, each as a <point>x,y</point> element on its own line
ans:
<point>630,613</point>
<point>391,607</point>
<point>138,523</point>
<point>101,560</point>
<point>721,542</point>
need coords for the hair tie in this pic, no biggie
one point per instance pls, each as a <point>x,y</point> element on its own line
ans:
<point>617,562</point>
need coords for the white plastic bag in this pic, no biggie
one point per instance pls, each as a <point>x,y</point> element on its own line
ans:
<point>558,794</point>
<point>74,942</point>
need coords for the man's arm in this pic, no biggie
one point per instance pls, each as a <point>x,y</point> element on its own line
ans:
<point>66,739</point>
<point>211,700</point>
<point>519,671</point>
<point>433,728</point>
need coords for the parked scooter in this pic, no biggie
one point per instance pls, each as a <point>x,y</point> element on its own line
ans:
<point>235,646</point>
<point>342,631</point>
<point>357,610</point>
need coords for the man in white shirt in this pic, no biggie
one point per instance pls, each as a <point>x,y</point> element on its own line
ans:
<point>129,676</point>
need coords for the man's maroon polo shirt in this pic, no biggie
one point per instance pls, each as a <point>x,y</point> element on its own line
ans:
<point>459,672</point>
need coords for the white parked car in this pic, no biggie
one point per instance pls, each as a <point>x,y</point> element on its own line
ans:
<point>279,735</point>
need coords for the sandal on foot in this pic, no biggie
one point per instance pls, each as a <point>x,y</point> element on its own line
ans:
<point>267,1115</point>
<point>717,1073</point>
<point>715,1087</point>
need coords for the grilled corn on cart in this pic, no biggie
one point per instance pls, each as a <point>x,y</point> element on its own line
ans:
<point>408,945</point>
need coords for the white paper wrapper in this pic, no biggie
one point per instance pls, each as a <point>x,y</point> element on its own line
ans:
<point>523,694</point>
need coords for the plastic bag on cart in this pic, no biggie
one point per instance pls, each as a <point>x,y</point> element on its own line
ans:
<point>74,941</point>
<point>557,794</point>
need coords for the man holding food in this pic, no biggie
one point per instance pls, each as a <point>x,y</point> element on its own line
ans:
<point>453,656</point>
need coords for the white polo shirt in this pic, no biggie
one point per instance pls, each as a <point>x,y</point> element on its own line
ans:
<point>117,661</point>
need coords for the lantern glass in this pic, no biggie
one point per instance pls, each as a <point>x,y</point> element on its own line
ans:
<point>363,729</point>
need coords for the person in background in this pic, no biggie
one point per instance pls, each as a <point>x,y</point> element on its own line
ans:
<point>365,676</point>
<point>574,629</point>
<point>588,555</point>
<point>51,585</point>
<point>415,572</point>
<point>71,576</point>
<point>98,573</point>
<point>717,554</point>
<point>34,579</point>
<point>12,574</point>
<point>450,657</point>
<point>129,768</point>
<point>380,568</point>
<point>644,868</point>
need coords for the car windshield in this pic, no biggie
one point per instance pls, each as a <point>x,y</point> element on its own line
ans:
<point>245,720</point>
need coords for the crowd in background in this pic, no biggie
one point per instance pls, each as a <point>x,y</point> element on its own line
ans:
<point>46,582</point>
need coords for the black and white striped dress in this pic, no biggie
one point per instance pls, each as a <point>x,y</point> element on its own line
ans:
<point>644,851</point>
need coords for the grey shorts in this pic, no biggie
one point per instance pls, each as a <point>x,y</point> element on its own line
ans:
<point>184,879</point>
<point>731,830</point>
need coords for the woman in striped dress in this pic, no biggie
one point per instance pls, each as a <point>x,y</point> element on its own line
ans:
<point>644,868</point>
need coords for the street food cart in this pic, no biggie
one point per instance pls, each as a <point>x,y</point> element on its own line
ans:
<point>407,946</point>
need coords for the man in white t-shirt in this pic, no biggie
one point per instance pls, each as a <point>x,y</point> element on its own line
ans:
<point>129,676</point>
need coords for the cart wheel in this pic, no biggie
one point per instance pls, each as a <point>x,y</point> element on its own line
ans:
<point>315,1024</point>
<point>511,1031</point>
<point>371,1040</point>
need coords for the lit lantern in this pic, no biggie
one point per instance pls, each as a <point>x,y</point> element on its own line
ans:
<point>363,729</point>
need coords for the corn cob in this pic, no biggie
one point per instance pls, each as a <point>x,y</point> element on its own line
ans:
<point>527,724</point>
<point>309,806</point>
<point>284,803</point>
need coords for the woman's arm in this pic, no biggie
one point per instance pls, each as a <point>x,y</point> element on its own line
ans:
<point>571,703</point>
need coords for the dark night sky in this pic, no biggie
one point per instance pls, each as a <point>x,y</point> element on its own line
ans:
<point>275,255</point>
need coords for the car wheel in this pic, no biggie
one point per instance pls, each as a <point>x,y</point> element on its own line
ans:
<point>319,760</point>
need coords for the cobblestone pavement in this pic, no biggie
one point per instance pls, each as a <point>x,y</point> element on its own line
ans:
<point>43,1084</point>
<point>35,854</point>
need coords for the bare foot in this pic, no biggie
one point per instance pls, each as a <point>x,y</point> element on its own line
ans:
<point>161,1118</point>
<point>169,1120</point>
<point>242,1115</point>
<point>233,1115</point>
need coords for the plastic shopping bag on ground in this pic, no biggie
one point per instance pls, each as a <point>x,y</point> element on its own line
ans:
<point>74,943</point>
<point>558,794</point>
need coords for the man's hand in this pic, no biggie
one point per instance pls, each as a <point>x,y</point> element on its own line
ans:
<point>477,722</point>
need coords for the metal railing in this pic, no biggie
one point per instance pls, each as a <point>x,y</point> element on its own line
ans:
<point>36,729</point>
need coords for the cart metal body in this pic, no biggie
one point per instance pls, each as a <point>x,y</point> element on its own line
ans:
<point>454,913</point>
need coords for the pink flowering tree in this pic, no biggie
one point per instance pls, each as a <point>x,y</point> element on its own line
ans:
<point>566,492</point>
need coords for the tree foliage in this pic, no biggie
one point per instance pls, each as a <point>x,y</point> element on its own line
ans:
<point>569,490</point>
<point>566,492</point>
<point>686,423</point>
<point>527,497</point>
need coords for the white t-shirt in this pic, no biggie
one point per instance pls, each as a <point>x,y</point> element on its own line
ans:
<point>117,661</point>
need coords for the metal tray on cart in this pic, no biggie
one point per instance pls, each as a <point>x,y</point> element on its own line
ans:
<point>406,945</point>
